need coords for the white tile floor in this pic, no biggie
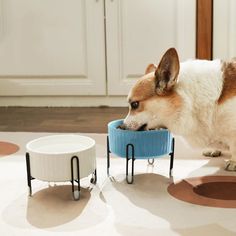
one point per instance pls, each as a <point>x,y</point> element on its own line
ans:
<point>110,207</point>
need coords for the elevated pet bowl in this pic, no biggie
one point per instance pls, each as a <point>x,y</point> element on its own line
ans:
<point>59,158</point>
<point>138,145</point>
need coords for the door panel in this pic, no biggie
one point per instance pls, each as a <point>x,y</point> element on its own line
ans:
<point>53,47</point>
<point>139,32</point>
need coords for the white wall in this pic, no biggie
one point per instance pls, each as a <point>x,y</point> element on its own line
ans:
<point>224,31</point>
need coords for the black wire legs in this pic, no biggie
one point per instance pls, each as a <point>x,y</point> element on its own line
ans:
<point>75,176</point>
<point>172,154</point>
<point>108,156</point>
<point>93,180</point>
<point>130,178</point>
<point>131,156</point>
<point>151,161</point>
<point>29,177</point>
<point>75,193</point>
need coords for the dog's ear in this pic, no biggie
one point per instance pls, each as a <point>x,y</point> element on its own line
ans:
<point>150,68</point>
<point>167,72</point>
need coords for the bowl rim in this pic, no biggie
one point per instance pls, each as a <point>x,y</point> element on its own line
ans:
<point>32,150</point>
<point>110,125</point>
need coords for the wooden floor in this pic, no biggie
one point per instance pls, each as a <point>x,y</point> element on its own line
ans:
<point>48,119</point>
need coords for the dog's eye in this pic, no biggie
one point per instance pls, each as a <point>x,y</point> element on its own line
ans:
<point>134,105</point>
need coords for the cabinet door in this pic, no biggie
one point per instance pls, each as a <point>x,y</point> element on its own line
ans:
<point>224,29</point>
<point>53,47</point>
<point>139,32</point>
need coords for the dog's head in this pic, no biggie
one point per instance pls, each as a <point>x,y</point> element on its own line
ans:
<point>153,98</point>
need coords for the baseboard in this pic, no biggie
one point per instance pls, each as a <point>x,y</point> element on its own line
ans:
<point>65,101</point>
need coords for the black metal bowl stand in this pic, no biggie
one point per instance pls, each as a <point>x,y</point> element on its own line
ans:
<point>74,162</point>
<point>131,150</point>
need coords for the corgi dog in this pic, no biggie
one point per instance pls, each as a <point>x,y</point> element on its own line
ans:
<point>195,99</point>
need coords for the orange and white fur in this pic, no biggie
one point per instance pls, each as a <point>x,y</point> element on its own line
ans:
<point>195,99</point>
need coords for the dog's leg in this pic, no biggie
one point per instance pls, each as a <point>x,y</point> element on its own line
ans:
<point>212,153</point>
<point>231,164</point>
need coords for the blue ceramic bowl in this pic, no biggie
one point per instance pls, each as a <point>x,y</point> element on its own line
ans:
<point>147,144</point>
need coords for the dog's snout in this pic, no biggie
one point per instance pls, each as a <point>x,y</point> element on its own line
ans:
<point>130,124</point>
<point>134,126</point>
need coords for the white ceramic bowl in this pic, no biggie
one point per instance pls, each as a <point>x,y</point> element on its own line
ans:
<point>50,157</point>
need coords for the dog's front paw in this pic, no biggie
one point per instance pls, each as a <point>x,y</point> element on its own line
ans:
<point>215,153</point>
<point>230,165</point>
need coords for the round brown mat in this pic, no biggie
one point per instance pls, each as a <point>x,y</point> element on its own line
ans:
<point>214,191</point>
<point>7,148</point>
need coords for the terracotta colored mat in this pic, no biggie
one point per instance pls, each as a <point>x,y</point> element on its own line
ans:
<point>214,191</point>
<point>7,148</point>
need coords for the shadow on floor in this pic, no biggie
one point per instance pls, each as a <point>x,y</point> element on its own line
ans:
<point>149,194</point>
<point>55,206</point>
